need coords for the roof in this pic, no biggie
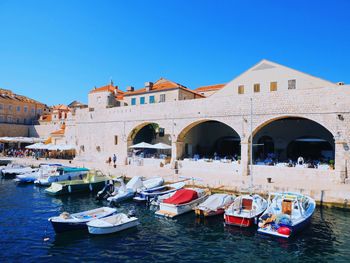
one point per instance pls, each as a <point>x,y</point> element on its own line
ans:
<point>60,107</point>
<point>46,117</point>
<point>9,95</point>
<point>119,94</point>
<point>162,85</point>
<point>76,104</point>
<point>210,88</point>
<point>58,132</point>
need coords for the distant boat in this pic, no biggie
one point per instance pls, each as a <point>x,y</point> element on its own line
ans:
<point>126,192</point>
<point>287,214</point>
<point>43,170</point>
<point>94,181</point>
<point>153,193</point>
<point>245,210</point>
<point>214,205</point>
<point>67,222</point>
<point>111,224</point>
<point>183,201</point>
<point>12,170</point>
<point>61,174</point>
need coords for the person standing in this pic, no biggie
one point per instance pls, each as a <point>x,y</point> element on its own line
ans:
<point>114,159</point>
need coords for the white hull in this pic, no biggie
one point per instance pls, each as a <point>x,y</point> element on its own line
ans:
<point>113,229</point>
<point>170,210</point>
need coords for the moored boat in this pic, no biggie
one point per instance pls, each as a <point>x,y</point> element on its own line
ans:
<point>43,170</point>
<point>94,181</point>
<point>12,170</point>
<point>287,214</point>
<point>111,224</point>
<point>153,193</point>
<point>62,174</point>
<point>67,222</point>
<point>183,201</point>
<point>214,205</point>
<point>245,210</point>
<point>126,192</point>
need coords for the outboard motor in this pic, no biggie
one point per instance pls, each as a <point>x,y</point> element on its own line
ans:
<point>131,213</point>
<point>106,191</point>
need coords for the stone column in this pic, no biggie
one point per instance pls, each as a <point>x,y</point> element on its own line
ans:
<point>245,157</point>
<point>340,159</point>
<point>176,150</point>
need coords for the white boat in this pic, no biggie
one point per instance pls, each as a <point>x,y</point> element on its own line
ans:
<point>67,222</point>
<point>12,170</point>
<point>61,174</point>
<point>287,214</point>
<point>125,192</point>
<point>245,210</point>
<point>183,201</point>
<point>153,193</point>
<point>214,205</point>
<point>43,170</point>
<point>111,224</point>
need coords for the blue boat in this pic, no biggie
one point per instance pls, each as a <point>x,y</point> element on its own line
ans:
<point>68,222</point>
<point>287,214</point>
<point>62,174</point>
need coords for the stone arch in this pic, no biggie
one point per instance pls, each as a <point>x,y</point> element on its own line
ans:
<point>287,129</point>
<point>205,138</point>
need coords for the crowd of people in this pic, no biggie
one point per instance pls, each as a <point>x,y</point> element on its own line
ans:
<point>21,153</point>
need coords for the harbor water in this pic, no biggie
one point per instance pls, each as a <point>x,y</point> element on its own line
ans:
<point>24,211</point>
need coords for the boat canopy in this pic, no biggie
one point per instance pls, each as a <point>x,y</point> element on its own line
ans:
<point>182,196</point>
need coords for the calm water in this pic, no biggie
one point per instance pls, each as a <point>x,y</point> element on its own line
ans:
<point>23,221</point>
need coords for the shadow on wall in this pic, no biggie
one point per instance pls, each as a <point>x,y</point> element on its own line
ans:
<point>14,130</point>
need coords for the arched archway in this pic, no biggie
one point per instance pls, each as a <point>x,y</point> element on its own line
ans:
<point>209,139</point>
<point>293,137</point>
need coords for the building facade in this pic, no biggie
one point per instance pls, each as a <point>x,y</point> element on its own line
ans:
<point>18,109</point>
<point>287,113</point>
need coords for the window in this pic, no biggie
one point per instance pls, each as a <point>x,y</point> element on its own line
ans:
<point>33,111</point>
<point>291,84</point>
<point>25,109</point>
<point>133,101</point>
<point>18,120</point>
<point>273,86</point>
<point>1,106</point>
<point>162,98</point>
<point>241,89</point>
<point>18,108</point>
<point>115,140</point>
<point>10,107</point>
<point>39,111</point>
<point>151,99</point>
<point>25,121</point>
<point>9,119</point>
<point>256,87</point>
<point>142,100</point>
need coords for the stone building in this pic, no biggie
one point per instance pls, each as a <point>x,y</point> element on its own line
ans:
<point>289,113</point>
<point>18,109</point>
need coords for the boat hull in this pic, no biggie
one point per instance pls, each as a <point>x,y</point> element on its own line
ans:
<point>77,188</point>
<point>112,229</point>
<point>170,210</point>
<point>240,221</point>
<point>208,213</point>
<point>61,227</point>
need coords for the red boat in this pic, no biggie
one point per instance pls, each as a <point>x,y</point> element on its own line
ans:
<point>245,210</point>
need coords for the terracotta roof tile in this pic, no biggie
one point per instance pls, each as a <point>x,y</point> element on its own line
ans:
<point>210,87</point>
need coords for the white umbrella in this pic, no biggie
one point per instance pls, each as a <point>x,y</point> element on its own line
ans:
<point>161,146</point>
<point>35,146</point>
<point>142,145</point>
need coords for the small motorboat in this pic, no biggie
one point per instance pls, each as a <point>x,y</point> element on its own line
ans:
<point>183,201</point>
<point>151,194</point>
<point>62,174</point>
<point>245,210</point>
<point>287,214</point>
<point>44,170</point>
<point>67,222</point>
<point>126,192</point>
<point>111,224</point>
<point>94,181</point>
<point>12,170</point>
<point>214,205</point>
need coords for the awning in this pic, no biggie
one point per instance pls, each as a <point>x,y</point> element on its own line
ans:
<point>51,147</point>
<point>142,145</point>
<point>161,146</point>
<point>21,139</point>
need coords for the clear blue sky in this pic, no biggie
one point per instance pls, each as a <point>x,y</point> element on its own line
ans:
<point>56,51</point>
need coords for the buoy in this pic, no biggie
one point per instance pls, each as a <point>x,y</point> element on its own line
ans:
<point>46,239</point>
<point>283,230</point>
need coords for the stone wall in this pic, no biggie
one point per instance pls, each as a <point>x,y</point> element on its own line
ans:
<point>14,130</point>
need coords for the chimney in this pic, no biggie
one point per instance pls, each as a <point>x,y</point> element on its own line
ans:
<point>130,88</point>
<point>148,86</point>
